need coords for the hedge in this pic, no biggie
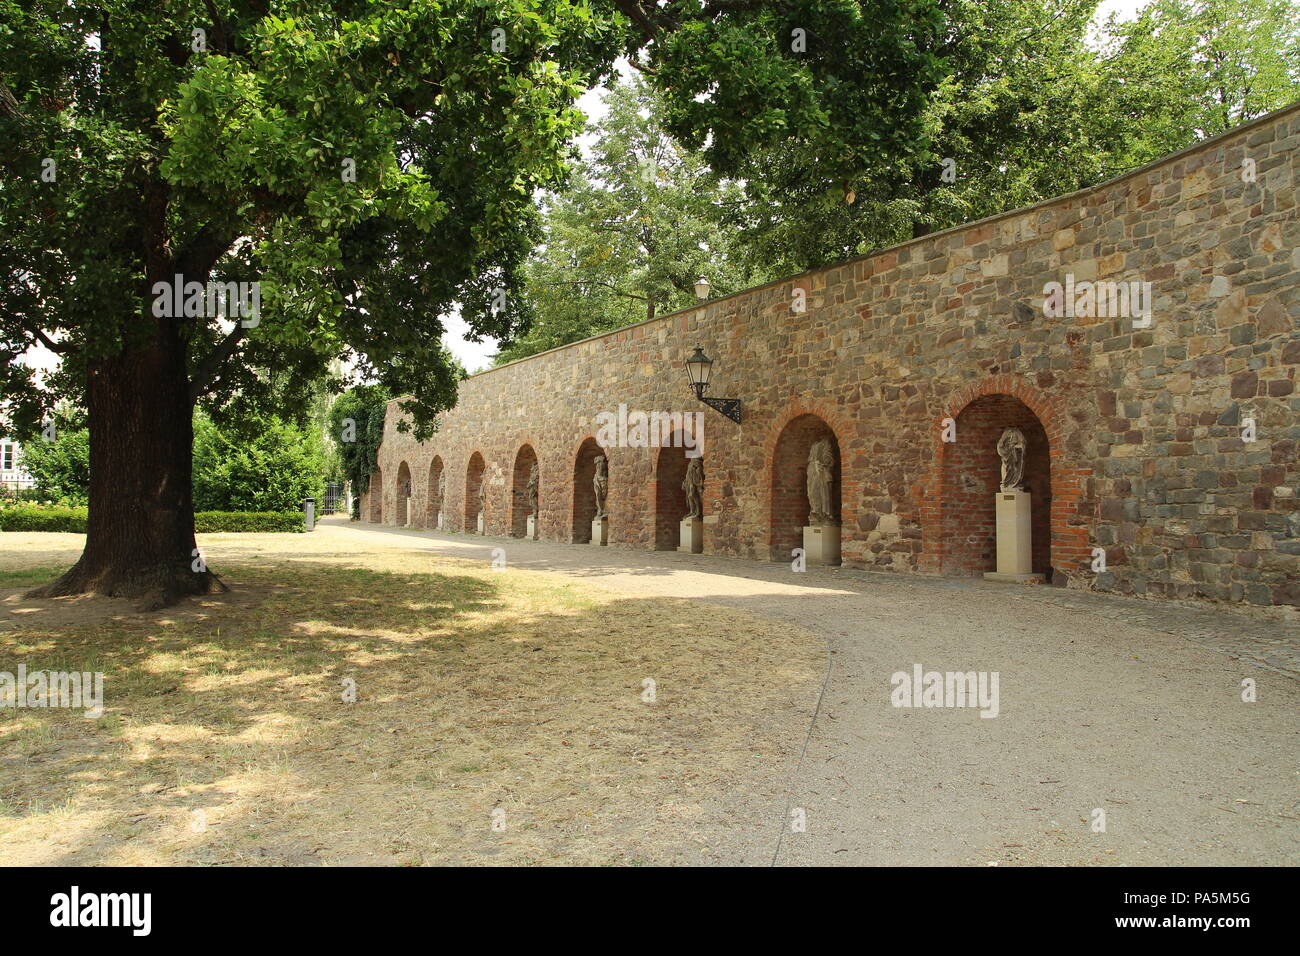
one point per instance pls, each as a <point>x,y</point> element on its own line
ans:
<point>32,518</point>
<point>37,518</point>
<point>209,521</point>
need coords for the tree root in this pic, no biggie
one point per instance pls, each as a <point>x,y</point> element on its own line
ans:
<point>153,588</point>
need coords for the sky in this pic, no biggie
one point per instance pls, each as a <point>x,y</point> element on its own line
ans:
<point>476,356</point>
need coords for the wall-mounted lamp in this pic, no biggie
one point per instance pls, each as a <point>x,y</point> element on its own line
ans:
<point>702,288</point>
<point>698,368</point>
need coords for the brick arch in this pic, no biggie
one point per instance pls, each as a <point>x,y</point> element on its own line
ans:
<point>845,437</point>
<point>475,475</point>
<point>786,509</point>
<point>525,458</point>
<point>1046,408</point>
<point>1069,550</point>
<point>668,471</point>
<point>582,499</point>
<point>433,502</point>
<point>402,499</point>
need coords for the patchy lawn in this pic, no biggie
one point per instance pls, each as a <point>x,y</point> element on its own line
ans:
<point>482,696</point>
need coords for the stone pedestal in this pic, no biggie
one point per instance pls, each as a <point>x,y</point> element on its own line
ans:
<point>480,523</point>
<point>600,531</point>
<point>821,544</point>
<point>532,528</point>
<point>690,539</point>
<point>1014,538</point>
<point>440,524</point>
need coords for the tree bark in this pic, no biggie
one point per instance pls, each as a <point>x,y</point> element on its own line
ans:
<point>140,532</point>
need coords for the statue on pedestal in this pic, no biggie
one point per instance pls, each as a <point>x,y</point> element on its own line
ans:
<point>1011,449</point>
<point>821,481</point>
<point>601,484</point>
<point>532,490</point>
<point>693,485</point>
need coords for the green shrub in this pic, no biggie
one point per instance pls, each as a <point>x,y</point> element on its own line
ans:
<point>60,468</point>
<point>213,521</point>
<point>37,518</point>
<point>271,471</point>
<point>73,520</point>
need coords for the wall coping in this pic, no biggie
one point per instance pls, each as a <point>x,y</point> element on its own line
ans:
<point>1168,159</point>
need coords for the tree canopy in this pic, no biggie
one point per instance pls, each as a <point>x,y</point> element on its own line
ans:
<point>639,223</point>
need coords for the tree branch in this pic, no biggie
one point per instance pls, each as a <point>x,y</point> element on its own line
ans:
<point>201,253</point>
<point>207,370</point>
<point>632,10</point>
<point>62,348</point>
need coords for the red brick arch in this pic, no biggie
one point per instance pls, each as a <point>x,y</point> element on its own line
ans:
<point>581,497</point>
<point>520,472</point>
<point>1070,550</point>
<point>850,484</point>
<point>432,505</point>
<point>476,472</point>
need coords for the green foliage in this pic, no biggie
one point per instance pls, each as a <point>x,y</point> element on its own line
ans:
<point>632,234</point>
<point>27,517</point>
<point>211,522</point>
<point>272,472</point>
<point>60,469</point>
<point>356,424</point>
<point>1184,70</point>
<point>805,102</point>
<point>30,517</point>
<point>1011,92</point>
<point>235,162</point>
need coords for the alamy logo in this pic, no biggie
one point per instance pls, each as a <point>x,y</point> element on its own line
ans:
<point>227,300</point>
<point>74,689</point>
<point>103,909</point>
<point>951,689</point>
<point>637,429</point>
<point>1098,300</point>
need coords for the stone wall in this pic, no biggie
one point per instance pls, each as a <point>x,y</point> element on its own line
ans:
<point>1136,433</point>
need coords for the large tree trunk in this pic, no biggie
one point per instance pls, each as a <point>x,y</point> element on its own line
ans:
<point>140,534</point>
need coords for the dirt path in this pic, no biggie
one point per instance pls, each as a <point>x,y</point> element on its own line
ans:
<point>1129,707</point>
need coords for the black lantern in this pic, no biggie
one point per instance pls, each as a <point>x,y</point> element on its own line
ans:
<point>698,369</point>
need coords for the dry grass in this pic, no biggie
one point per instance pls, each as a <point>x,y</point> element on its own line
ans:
<point>477,690</point>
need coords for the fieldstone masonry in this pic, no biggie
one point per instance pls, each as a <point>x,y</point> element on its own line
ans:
<point>1137,436</point>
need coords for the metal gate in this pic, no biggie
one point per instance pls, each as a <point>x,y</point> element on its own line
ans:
<point>335,498</point>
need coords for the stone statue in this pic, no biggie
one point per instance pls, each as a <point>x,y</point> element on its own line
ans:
<point>693,485</point>
<point>438,488</point>
<point>821,480</point>
<point>482,498</point>
<point>1011,449</point>
<point>532,490</point>
<point>601,484</point>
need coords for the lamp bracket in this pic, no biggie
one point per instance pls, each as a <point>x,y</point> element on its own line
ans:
<point>727,406</point>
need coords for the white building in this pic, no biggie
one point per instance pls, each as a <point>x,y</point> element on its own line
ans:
<point>12,474</point>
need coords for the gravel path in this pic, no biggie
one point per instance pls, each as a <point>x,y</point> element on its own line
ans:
<point>1107,704</point>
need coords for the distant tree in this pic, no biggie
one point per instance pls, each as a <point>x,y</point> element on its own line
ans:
<point>60,466</point>
<point>275,471</point>
<point>632,234</point>
<point>357,428</point>
<point>1186,70</point>
<point>1019,102</point>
